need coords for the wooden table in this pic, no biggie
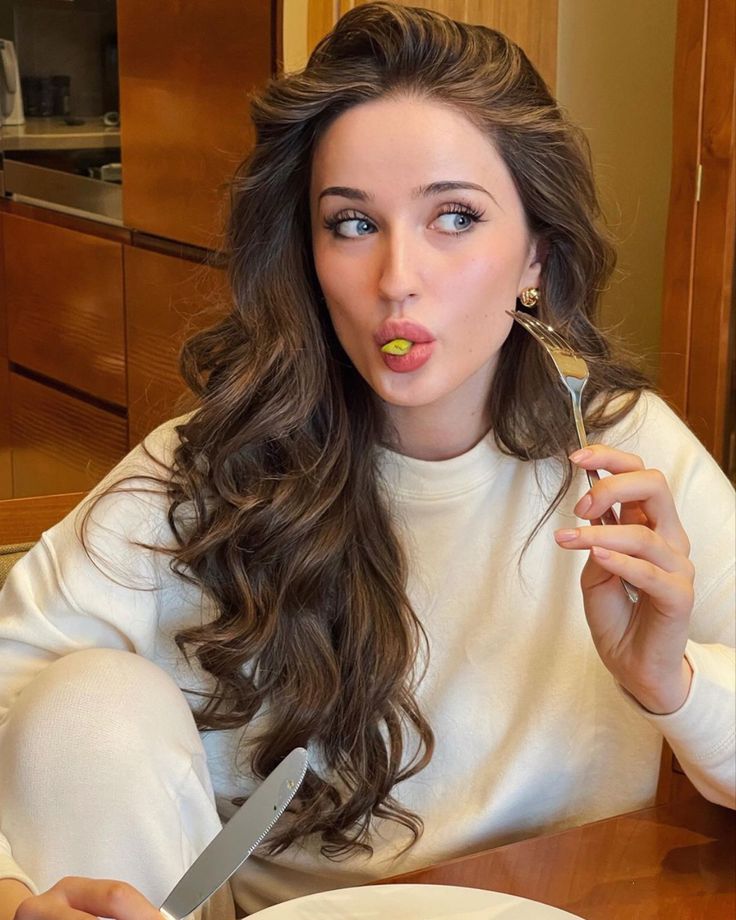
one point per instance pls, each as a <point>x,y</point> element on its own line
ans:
<point>676,862</point>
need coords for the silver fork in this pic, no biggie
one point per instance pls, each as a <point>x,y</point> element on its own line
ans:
<point>574,374</point>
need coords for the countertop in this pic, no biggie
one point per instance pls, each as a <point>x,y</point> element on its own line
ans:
<point>53,134</point>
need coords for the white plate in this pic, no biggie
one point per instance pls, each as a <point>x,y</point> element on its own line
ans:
<point>411,902</point>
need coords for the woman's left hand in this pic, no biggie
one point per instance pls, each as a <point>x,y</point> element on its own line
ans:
<point>641,644</point>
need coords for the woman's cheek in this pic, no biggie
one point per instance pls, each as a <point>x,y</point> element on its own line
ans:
<point>349,329</point>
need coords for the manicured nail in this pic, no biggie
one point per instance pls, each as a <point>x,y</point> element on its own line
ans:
<point>564,535</point>
<point>600,553</point>
<point>581,455</point>
<point>584,504</point>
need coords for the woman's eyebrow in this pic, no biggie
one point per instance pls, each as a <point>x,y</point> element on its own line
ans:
<point>422,191</point>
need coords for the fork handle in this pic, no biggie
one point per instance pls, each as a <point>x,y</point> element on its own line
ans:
<point>575,388</point>
<point>610,517</point>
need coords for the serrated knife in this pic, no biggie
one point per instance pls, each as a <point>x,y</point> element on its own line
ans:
<point>238,838</point>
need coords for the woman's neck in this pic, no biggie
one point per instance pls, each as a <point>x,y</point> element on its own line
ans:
<point>429,433</point>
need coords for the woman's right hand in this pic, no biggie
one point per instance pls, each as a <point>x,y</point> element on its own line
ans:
<point>76,898</point>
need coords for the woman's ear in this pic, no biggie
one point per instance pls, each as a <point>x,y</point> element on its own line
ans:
<point>538,249</point>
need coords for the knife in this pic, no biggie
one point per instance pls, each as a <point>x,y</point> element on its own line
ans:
<point>239,837</point>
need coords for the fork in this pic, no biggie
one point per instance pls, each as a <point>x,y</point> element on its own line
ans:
<point>574,374</point>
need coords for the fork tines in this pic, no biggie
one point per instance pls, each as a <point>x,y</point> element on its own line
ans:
<point>546,334</point>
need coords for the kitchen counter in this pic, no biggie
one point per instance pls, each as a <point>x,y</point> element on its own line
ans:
<point>53,134</point>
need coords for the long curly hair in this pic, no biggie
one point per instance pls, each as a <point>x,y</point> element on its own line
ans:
<point>288,529</point>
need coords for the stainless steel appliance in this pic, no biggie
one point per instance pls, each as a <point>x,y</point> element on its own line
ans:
<point>66,153</point>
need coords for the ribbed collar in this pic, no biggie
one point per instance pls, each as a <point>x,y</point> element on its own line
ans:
<point>428,479</point>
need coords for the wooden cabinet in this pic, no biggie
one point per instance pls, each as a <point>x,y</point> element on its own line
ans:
<point>3,308</point>
<point>95,322</point>
<point>64,301</point>
<point>185,74</point>
<point>63,422</point>
<point>60,443</point>
<point>6,470</point>
<point>6,476</point>
<point>167,299</point>
<point>532,24</point>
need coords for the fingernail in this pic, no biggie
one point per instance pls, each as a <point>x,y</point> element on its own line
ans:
<point>581,455</point>
<point>600,553</point>
<point>564,535</point>
<point>584,504</point>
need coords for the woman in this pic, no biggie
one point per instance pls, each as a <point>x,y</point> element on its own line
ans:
<point>366,538</point>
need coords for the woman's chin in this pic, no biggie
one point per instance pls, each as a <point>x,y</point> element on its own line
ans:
<point>404,393</point>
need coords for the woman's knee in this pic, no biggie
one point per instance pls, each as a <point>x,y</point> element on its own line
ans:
<point>103,774</point>
<point>99,697</point>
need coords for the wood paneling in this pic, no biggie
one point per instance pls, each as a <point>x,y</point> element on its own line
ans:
<point>64,293</point>
<point>60,444</point>
<point>532,24</point>
<point>3,308</point>
<point>677,292</point>
<point>6,476</point>
<point>70,221</point>
<point>167,299</point>
<point>699,264</point>
<point>23,520</point>
<point>185,75</point>
<point>6,469</point>
<point>713,268</point>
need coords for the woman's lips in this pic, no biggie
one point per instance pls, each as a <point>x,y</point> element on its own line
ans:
<point>402,329</point>
<point>420,351</point>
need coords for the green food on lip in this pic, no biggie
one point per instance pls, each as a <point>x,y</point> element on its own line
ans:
<point>397,347</point>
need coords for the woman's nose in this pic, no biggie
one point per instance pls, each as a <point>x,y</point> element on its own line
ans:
<point>399,268</point>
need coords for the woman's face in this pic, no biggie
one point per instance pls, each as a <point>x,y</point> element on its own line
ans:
<point>402,255</point>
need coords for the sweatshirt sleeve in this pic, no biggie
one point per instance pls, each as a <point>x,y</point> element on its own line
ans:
<point>702,732</point>
<point>61,597</point>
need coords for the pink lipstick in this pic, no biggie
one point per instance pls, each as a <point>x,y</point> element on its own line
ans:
<point>412,361</point>
<point>420,351</point>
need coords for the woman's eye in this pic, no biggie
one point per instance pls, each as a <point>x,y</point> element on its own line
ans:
<point>457,221</point>
<point>349,227</point>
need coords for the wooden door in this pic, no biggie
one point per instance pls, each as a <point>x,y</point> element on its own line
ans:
<point>532,24</point>
<point>698,375</point>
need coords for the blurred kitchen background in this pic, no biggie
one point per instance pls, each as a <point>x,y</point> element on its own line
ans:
<point>122,122</point>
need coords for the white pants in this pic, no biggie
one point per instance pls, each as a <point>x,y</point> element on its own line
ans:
<point>104,775</point>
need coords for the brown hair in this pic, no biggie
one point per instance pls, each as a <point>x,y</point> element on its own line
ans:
<point>288,530</point>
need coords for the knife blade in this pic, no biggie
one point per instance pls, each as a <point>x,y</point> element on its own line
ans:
<point>226,853</point>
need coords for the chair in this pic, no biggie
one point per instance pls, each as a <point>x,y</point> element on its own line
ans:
<point>23,520</point>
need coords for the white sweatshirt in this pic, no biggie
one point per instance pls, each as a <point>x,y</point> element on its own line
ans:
<point>533,735</point>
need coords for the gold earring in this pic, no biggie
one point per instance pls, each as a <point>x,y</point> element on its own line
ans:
<point>529,297</point>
